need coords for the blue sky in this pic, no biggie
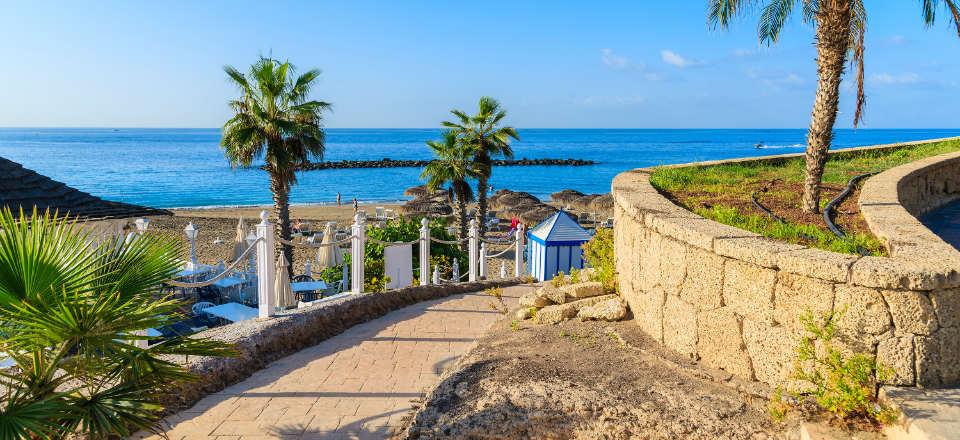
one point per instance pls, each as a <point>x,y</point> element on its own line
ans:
<point>406,63</point>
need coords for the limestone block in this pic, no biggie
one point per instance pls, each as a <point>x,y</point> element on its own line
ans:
<point>650,260</point>
<point>928,361</point>
<point>672,265</point>
<point>896,353</point>
<point>703,285</point>
<point>720,342</point>
<point>612,309</point>
<point>552,294</point>
<point>680,326</point>
<point>531,299</point>
<point>648,313</point>
<point>795,294</point>
<point>950,355</point>
<point>757,250</point>
<point>522,313</point>
<point>555,314</point>
<point>946,303</point>
<point>698,232</point>
<point>772,350</point>
<point>748,289</point>
<point>912,312</point>
<point>817,263</point>
<point>862,311</point>
<point>889,273</point>
<point>583,290</point>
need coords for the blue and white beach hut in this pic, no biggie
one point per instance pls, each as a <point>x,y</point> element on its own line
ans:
<point>554,246</point>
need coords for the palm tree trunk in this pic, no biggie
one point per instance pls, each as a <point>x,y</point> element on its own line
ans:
<point>281,208</point>
<point>482,204</point>
<point>462,220</point>
<point>833,39</point>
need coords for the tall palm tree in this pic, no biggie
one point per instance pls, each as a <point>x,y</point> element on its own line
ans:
<point>840,27</point>
<point>453,164</point>
<point>487,139</point>
<point>274,118</point>
<point>70,313</point>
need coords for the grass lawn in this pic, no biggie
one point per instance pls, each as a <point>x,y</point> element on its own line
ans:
<point>722,193</point>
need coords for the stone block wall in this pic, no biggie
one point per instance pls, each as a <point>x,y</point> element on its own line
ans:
<point>732,299</point>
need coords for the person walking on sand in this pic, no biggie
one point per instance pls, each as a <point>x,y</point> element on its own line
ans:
<point>356,205</point>
<point>338,199</point>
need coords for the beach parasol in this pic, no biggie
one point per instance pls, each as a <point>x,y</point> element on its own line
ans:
<point>583,203</point>
<point>240,242</point>
<point>328,256</point>
<point>603,203</point>
<point>537,214</point>
<point>416,191</point>
<point>284,291</point>
<point>566,196</point>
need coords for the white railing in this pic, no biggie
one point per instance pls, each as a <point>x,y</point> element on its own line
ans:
<point>266,274</point>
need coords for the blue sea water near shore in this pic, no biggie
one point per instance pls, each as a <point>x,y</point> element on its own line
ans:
<point>185,167</point>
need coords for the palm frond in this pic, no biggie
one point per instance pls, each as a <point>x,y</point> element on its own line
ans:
<point>772,20</point>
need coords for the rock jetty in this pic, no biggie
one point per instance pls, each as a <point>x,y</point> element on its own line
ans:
<point>400,163</point>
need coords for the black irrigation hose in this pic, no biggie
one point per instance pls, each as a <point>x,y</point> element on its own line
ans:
<point>827,210</point>
<point>770,213</point>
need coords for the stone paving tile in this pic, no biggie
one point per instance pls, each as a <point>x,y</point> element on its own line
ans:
<point>356,385</point>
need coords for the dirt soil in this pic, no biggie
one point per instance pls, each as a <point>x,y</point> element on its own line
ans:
<point>783,199</point>
<point>592,380</point>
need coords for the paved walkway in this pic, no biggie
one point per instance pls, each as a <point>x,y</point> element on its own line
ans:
<point>355,385</point>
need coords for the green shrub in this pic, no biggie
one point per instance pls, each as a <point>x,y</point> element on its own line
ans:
<point>559,280</point>
<point>441,255</point>
<point>845,386</point>
<point>599,255</point>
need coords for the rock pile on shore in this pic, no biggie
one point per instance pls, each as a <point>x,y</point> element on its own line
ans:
<point>585,300</point>
<point>405,163</point>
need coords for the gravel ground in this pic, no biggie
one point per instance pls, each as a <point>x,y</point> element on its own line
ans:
<point>583,381</point>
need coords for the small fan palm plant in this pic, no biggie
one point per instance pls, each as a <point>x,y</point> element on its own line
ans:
<point>840,27</point>
<point>275,119</point>
<point>488,139</point>
<point>71,313</point>
<point>453,164</point>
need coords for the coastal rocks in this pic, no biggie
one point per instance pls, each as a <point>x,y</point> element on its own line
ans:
<point>402,163</point>
<point>532,299</point>
<point>551,294</point>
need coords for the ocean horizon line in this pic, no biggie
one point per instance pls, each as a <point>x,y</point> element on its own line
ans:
<point>440,128</point>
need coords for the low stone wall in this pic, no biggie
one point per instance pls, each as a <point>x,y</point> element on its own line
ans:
<point>261,342</point>
<point>732,299</point>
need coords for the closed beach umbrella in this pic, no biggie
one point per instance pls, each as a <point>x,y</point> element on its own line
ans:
<point>284,291</point>
<point>328,256</point>
<point>603,204</point>
<point>240,242</point>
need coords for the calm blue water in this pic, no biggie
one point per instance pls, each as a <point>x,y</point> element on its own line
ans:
<point>185,167</point>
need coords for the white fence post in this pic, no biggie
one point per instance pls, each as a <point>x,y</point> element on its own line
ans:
<point>472,267</point>
<point>436,275</point>
<point>266,272</point>
<point>357,248</point>
<point>518,251</point>
<point>424,252</point>
<point>483,261</point>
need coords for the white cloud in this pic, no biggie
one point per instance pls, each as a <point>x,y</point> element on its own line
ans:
<point>675,59</point>
<point>775,81</point>
<point>898,79</point>
<point>613,60</point>
<point>743,53</point>
<point>897,40</point>
<point>618,62</point>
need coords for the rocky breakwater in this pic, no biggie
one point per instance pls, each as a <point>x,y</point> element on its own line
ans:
<point>407,163</point>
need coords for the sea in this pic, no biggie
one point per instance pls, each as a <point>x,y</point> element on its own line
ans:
<point>177,167</point>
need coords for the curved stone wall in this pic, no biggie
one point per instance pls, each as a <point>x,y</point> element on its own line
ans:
<point>732,299</point>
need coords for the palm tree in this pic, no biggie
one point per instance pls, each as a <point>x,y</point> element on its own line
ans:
<point>453,164</point>
<point>70,313</point>
<point>488,140</point>
<point>276,120</point>
<point>840,27</point>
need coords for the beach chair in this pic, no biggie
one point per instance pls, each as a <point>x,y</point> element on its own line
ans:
<point>305,295</point>
<point>380,213</point>
<point>198,311</point>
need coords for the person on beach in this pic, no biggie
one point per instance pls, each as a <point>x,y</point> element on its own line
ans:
<point>297,226</point>
<point>338,199</point>
<point>356,205</point>
<point>514,225</point>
